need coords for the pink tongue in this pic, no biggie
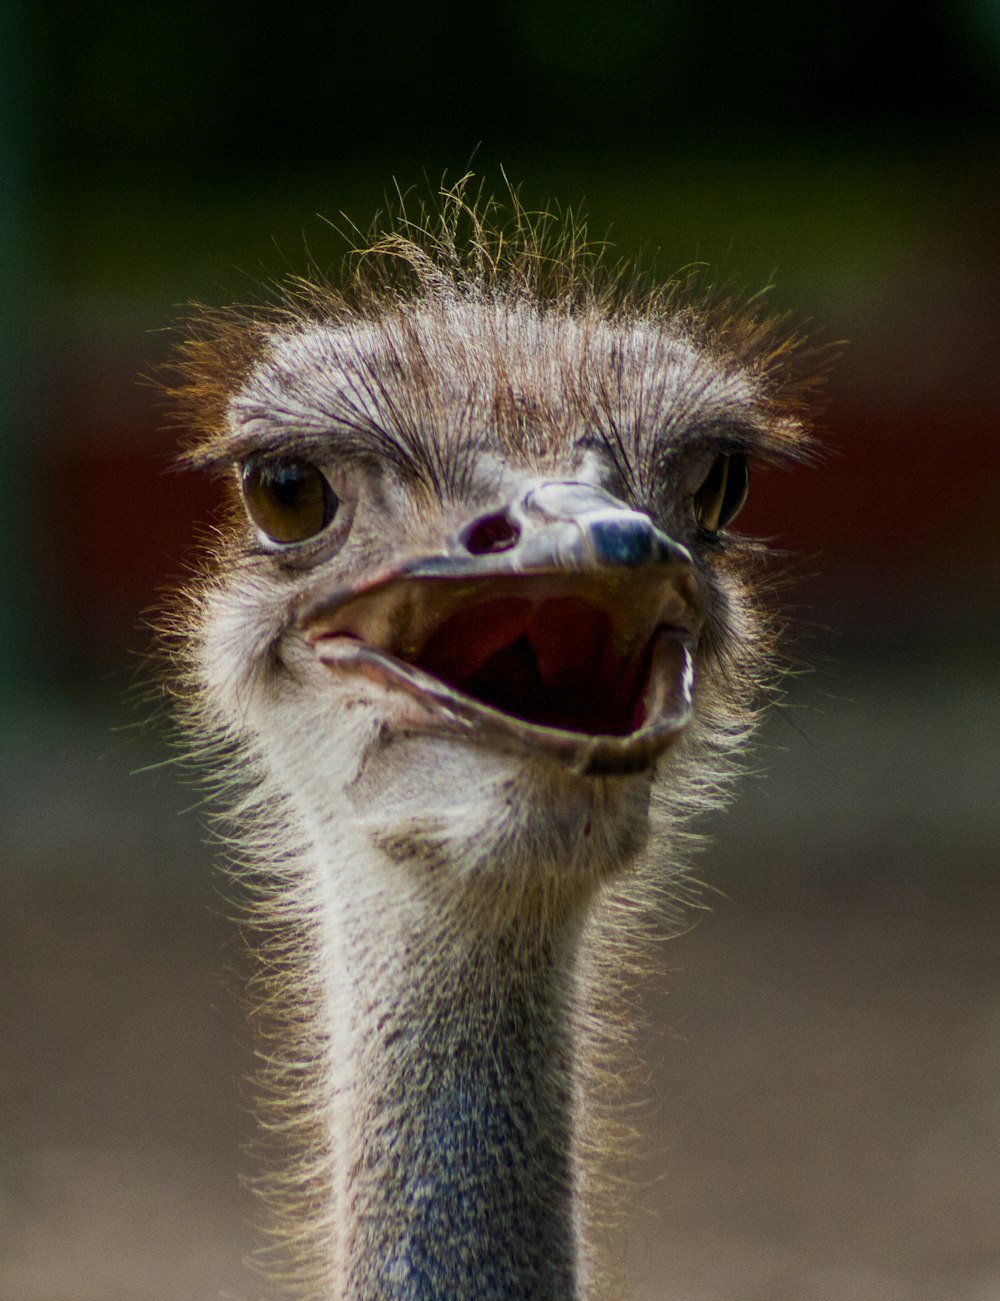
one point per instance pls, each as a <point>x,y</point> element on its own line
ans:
<point>463,644</point>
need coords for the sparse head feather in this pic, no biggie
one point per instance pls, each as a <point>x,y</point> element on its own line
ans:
<point>470,250</point>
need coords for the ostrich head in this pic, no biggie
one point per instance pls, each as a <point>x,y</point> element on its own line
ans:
<point>477,600</point>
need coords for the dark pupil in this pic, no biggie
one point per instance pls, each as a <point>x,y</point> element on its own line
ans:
<point>286,484</point>
<point>736,488</point>
<point>713,483</point>
<point>723,492</point>
<point>289,502</point>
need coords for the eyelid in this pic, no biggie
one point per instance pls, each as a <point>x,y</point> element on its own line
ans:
<point>243,450</point>
<point>326,442</point>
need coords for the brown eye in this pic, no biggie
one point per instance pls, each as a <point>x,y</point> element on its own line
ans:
<point>288,500</point>
<point>720,498</point>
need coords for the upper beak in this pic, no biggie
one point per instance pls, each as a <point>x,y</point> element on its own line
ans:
<point>563,622</point>
<point>563,526</point>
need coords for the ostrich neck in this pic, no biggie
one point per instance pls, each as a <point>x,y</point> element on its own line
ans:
<point>452,1102</point>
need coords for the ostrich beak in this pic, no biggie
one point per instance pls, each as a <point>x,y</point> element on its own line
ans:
<point>564,624</point>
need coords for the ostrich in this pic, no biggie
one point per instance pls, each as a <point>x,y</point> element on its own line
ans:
<point>473,642</point>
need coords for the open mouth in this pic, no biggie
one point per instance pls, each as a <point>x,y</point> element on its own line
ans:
<point>594,670</point>
<point>553,663</point>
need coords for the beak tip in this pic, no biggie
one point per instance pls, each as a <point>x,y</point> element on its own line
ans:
<point>629,539</point>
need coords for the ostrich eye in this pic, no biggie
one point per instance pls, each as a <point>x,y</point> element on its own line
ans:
<point>288,500</point>
<point>720,498</point>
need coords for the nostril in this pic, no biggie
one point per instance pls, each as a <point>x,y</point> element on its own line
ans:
<point>490,533</point>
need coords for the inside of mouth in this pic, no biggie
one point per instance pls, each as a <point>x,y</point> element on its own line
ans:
<point>552,663</point>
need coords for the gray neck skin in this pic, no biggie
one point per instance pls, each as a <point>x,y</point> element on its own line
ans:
<point>464,1185</point>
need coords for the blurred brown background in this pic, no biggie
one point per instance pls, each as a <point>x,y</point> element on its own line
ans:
<point>826,1098</point>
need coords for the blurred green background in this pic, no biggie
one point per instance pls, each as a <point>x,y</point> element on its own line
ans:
<point>827,1113</point>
